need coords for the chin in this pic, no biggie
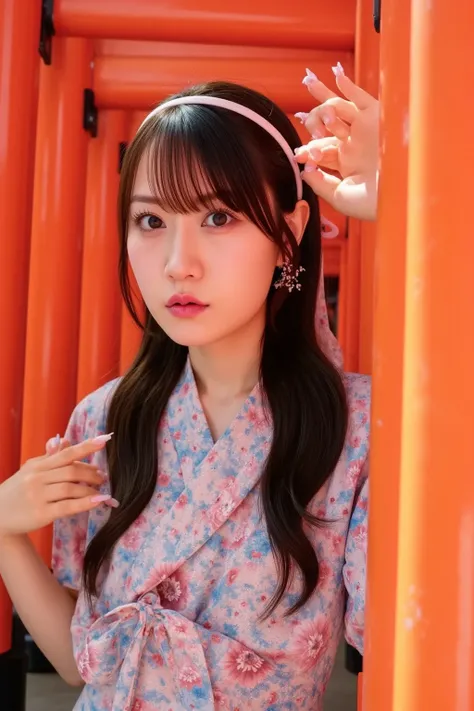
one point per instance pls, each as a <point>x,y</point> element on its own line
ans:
<point>190,342</point>
<point>186,337</point>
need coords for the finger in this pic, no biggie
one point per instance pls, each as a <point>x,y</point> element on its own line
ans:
<point>333,117</point>
<point>53,444</point>
<point>316,87</point>
<point>76,472</point>
<point>315,126</point>
<point>351,91</point>
<point>323,184</point>
<point>56,444</point>
<point>75,452</point>
<point>329,159</point>
<point>323,152</point>
<point>318,144</point>
<point>326,116</point>
<point>345,110</point>
<point>73,507</point>
<point>68,490</point>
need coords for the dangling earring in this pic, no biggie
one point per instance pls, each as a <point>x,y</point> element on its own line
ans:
<point>289,277</point>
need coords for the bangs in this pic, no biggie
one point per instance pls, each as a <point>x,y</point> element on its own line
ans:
<point>196,161</point>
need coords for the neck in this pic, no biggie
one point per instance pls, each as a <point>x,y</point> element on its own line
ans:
<point>229,368</point>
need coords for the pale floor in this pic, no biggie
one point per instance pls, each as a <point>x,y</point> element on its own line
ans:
<point>46,692</point>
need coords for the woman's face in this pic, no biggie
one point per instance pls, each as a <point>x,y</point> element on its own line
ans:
<point>203,276</point>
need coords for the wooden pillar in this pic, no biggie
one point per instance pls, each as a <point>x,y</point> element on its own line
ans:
<point>99,333</point>
<point>56,252</point>
<point>367,46</point>
<point>388,329</point>
<point>19,69</point>
<point>434,655</point>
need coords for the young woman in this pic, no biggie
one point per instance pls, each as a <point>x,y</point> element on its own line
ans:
<point>209,554</point>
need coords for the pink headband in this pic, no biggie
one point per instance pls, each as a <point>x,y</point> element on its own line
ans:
<point>327,340</point>
<point>331,231</point>
<point>243,111</point>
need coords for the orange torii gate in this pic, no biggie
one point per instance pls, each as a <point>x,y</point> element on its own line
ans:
<point>420,620</point>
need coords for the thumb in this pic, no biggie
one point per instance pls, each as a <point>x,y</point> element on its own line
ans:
<point>324,185</point>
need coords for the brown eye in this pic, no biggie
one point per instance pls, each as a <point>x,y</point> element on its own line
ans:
<point>218,219</point>
<point>148,222</point>
<point>154,222</point>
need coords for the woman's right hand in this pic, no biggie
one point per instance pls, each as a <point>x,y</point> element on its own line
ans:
<point>345,142</point>
<point>53,486</point>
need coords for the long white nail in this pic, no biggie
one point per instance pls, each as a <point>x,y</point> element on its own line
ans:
<point>302,116</point>
<point>338,70</point>
<point>105,499</point>
<point>310,77</point>
<point>101,439</point>
<point>53,443</point>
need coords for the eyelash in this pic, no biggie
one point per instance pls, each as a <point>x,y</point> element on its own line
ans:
<point>137,217</point>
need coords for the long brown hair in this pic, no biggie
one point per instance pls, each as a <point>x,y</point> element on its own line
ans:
<point>246,169</point>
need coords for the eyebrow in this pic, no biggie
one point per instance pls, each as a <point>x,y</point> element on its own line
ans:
<point>154,200</point>
<point>151,199</point>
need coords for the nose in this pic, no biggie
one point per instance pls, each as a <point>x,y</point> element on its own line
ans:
<point>183,260</point>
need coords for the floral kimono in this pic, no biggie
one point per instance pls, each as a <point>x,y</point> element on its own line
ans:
<point>177,625</point>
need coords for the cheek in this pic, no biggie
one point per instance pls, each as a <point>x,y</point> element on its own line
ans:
<point>144,261</point>
<point>256,266</point>
<point>248,273</point>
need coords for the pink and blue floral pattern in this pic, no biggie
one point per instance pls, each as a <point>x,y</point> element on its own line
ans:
<point>177,625</point>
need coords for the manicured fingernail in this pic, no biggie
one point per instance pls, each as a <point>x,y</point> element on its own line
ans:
<point>310,77</point>
<point>54,442</point>
<point>105,499</point>
<point>103,474</point>
<point>309,168</point>
<point>302,116</point>
<point>338,70</point>
<point>298,151</point>
<point>326,118</point>
<point>102,438</point>
<point>100,498</point>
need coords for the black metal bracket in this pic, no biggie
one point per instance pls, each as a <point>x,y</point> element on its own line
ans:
<point>377,13</point>
<point>47,30</point>
<point>123,145</point>
<point>91,114</point>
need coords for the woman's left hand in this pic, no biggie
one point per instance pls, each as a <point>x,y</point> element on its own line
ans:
<point>345,141</point>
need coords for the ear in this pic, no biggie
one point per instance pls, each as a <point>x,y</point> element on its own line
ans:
<point>297,221</point>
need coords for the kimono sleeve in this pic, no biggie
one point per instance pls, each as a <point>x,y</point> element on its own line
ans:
<point>69,534</point>
<point>355,565</point>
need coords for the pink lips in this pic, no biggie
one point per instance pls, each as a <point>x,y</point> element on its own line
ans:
<point>185,305</point>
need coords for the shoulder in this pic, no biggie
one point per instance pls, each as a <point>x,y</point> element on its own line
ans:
<point>89,417</point>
